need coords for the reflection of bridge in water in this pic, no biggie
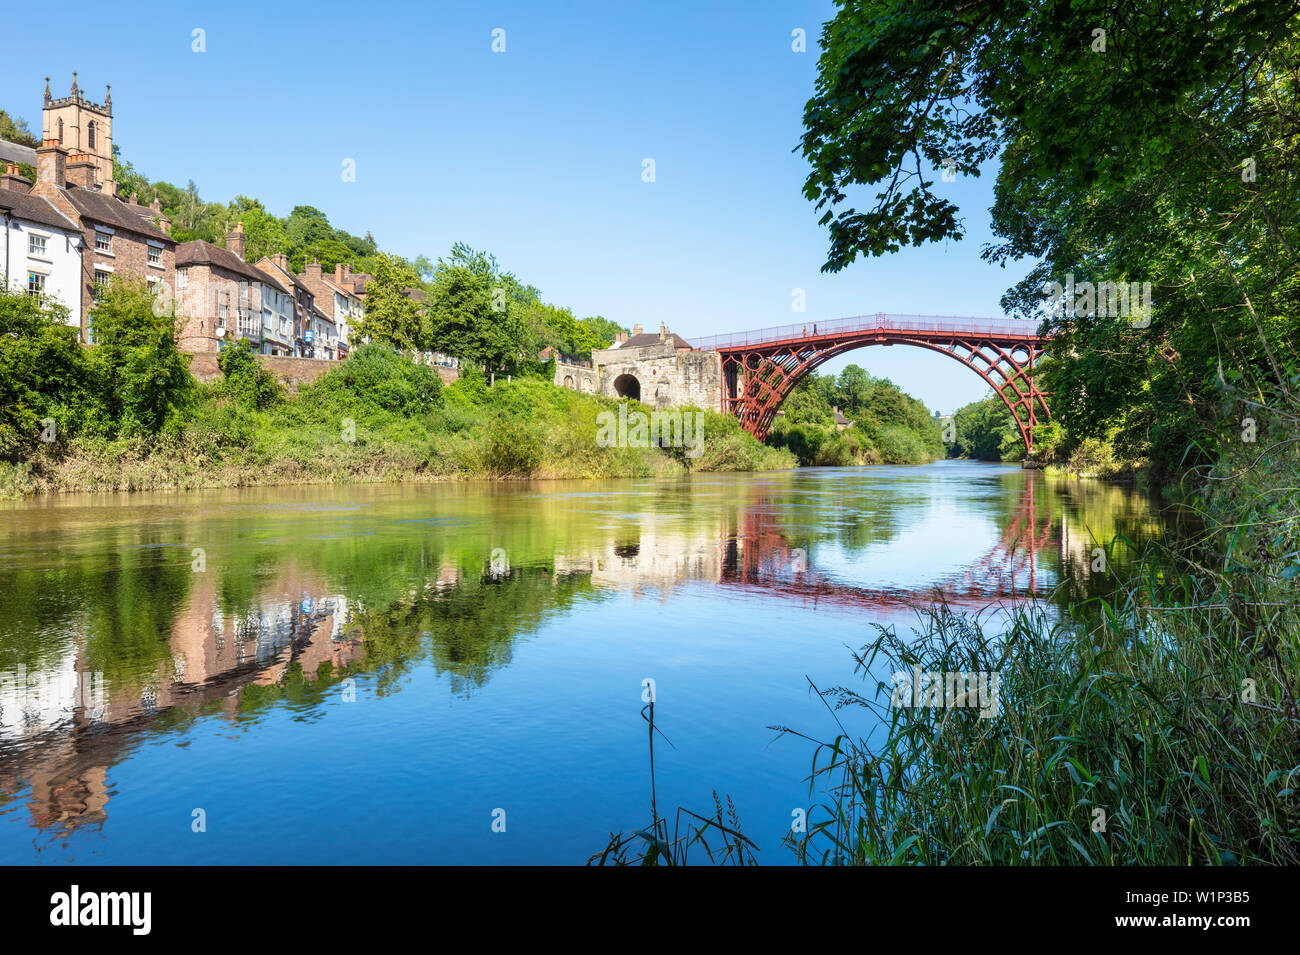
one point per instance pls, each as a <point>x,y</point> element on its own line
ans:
<point>761,557</point>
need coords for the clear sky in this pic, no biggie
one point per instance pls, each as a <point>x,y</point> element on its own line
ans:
<point>535,154</point>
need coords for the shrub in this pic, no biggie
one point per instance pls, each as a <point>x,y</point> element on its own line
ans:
<point>245,379</point>
<point>144,381</point>
<point>511,448</point>
<point>43,373</point>
<point>382,378</point>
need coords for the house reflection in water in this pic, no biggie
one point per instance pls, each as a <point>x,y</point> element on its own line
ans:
<point>62,728</point>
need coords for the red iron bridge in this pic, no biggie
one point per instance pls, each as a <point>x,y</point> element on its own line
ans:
<point>760,368</point>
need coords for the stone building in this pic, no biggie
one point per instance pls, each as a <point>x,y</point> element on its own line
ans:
<point>83,128</point>
<point>118,238</point>
<point>222,299</point>
<point>304,304</point>
<point>661,370</point>
<point>338,297</point>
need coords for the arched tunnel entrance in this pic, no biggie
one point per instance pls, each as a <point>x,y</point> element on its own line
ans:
<point>627,386</point>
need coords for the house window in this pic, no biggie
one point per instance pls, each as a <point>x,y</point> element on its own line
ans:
<point>103,242</point>
<point>35,283</point>
<point>36,245</point>
<point>221,316</point>
<point>155,255</point>
<point>101,284</point>
<point>182,278</point>
<point>90,134</point>
<point>60,132</point>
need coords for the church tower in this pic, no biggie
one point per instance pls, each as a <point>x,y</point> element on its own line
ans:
<point>83,127</point>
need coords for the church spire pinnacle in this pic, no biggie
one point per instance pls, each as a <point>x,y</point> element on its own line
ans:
<point>47,90</point>
<point>76,93</point>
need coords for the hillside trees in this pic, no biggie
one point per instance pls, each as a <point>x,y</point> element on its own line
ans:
<point>1129,148</point>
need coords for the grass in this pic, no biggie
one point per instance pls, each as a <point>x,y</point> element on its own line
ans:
<point>717,837</point>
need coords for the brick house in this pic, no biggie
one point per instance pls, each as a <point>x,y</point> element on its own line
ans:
<point>223,299</point>
<point>305,317</point>
<point>119,238</point>
<point>337,295</point>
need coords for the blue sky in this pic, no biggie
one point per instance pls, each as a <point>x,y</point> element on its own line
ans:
<point>534,154</point>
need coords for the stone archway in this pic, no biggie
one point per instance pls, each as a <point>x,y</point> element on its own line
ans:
<point>627,386</point>
<point>568,381</point>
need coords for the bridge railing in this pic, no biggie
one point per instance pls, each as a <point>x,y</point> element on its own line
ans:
<point>998,327</point>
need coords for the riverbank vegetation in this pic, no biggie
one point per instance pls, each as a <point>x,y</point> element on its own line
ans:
<point>125,414</point>
<point>852,419</point>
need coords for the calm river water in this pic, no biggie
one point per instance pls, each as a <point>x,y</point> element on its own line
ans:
<point>368,674</point>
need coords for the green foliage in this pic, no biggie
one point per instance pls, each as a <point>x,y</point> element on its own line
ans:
<point>246,379</point>
<point>379,377</point>
<point>15,130</point>
<point>43,373</point>
<point>142,377</point>
<point>986,431</point>
<point>1193,191</point>
<point>391,316</point>
<point>511,448</point>
<point>887,427</point>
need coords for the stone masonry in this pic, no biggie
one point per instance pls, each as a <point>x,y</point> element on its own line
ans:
<point>660,370</point>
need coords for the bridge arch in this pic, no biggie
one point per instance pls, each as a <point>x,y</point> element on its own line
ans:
<point>760,369</point>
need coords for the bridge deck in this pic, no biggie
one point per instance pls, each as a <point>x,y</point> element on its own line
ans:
<point>998,328</point>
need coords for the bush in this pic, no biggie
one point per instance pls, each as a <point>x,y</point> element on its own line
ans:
<point>378,376</point>
<point>245,379</point>
<point>143,379</point>
<point>511,448</point>
<point>43,373</point>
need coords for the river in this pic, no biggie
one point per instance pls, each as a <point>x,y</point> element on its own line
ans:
<point>396,673</point>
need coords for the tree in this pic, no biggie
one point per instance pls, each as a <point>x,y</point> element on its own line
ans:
<point>1130,149</point>
<point>391,316</point>
<point>479,313</point>
<point>43,373</point>
<point>246,379</point>
<point>14,130</point>
<point>143,378</point>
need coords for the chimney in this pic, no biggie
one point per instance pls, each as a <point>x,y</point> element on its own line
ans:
<point>134,200</point>
<point>235,240</point>
<point>156,205</point>
<point>282,261</point>
<point>636,330</point>
<point>663,332</point>
<point>81,170</point>
<point>13,179</point>
<point>52,164</point>
<point>313,270</point>
<point>620,338</point>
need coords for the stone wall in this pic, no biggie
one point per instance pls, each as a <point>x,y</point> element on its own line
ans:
<point>660,376</point>
<point>294,371</point>
<point>665,380</point>
<point>577,377</point>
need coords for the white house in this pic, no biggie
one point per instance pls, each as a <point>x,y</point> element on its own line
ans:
<point>40,248</point>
